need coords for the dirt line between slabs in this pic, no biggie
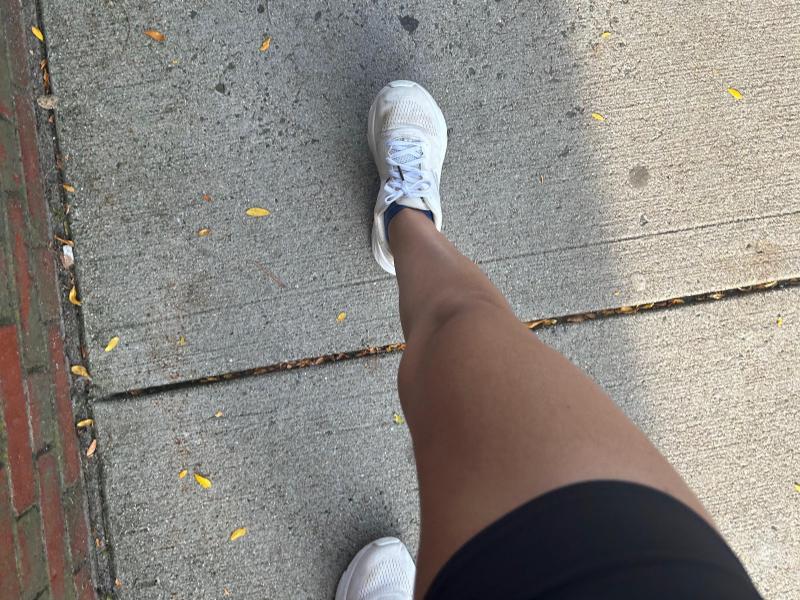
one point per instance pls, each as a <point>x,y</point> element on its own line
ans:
<point>570,319</point>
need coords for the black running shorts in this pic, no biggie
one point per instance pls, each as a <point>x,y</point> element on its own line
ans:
<point>596,540</point>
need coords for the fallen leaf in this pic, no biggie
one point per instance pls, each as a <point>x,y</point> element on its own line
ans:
<point>598,117</point>
<point>206,198</point>
<point>181,340</point>
<point>541,179</point>
<point>341,316</point>
<point>203,232</point>
<point>183,473</point>
<point>117,583</point>
<point>226,591</point>
<point>155,35</point>
<point>84,423</point>
<point>218,414</point>
<point>779,322</point>
<point>38,33</point>
<point>256,212</point>
<point>606,34</point>
<point>204,482</point>
<point>48,102</point>
<point>626,309</point>
<point>73,296</point>
<point>92,447</point>
<point>80,371</point>
<point>237,533</point>
<point>63,241</point>
<point>737,95</point>
<point>265,44</point>
<point>112,343</point>
<point>398,419</point>
<point>797,487</point>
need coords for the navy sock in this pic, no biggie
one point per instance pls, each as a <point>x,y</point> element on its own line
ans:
<point>395,208</point>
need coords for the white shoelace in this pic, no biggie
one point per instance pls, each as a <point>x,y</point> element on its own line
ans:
<point>407,178</point>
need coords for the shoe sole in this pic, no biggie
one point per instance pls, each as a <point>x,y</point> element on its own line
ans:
<point>386,261</point>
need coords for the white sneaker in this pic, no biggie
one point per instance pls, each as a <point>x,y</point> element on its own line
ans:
<point>382,570</point>
<point>407,134</point>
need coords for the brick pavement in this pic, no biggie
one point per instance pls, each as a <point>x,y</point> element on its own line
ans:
<point>42,501</point>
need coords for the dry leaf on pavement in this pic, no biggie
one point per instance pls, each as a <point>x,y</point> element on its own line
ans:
<point>204,482</point>
<point>155,35</point>
<point>48,102</point>
<point>183,473</point>
<point>38,33</point>
<point>92,447</point>
<point>237,533</point>
<point>73,296</point>
<point>112,343</point>
<point>80,371</point>
<point>257,212</point>
<point>84,423</point>
<point>265,44</point>
<point>68,187</point>
<point>737,95</point>
<point>341,316</point>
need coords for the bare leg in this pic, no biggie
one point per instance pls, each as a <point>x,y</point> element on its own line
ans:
<point>496,416</point>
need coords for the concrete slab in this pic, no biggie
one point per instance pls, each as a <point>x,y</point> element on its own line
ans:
<point>681,189</point>
<point>312,463</point>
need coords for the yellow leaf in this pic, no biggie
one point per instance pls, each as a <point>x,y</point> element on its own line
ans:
<point>204,482</point>
<point>38,33</point>
<point>265,44</point>
<point>606,34</point>
<point>598,117</point>
<point>112,343</point>
<point>237,533</point>
<point>183,473</point>
<point>398,419</point>
<point>68,187</point>
<point>92,447</point>
<point>155,35</point>
<point>80,371</point>
<point>737,95</point>
<point>203,232</point>
<point>181,340</point>
<point>779,322</point>
<point>73,296</point>
<point>341,316</point>
<point>797,487</point>
<point>256,212</point>
<point>84,423</point>
<point>218,414</point>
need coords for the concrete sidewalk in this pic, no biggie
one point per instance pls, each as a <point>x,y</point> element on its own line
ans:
<point>601,156</point>
<point>314,465</point>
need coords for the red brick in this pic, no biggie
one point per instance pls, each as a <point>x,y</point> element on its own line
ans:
<point>41,411</point>
<point>63,404</point>
<point>15,40</point>
<point>47,284</point>
<point>19,253</point>
<point>32,563</point>
<point>77,528</point>
<point>53,521</point>
<point>83,584</point>
<point>15,415</point>
<point>9,584</point>
<point>5,111</point>
<point>37,206</point>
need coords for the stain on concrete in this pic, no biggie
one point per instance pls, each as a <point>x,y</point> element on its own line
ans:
<point>639,176</point>
<point>220,87</point>
<point>409,23</point>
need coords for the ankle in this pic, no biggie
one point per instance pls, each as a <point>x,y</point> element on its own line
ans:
<point>399,213</point>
